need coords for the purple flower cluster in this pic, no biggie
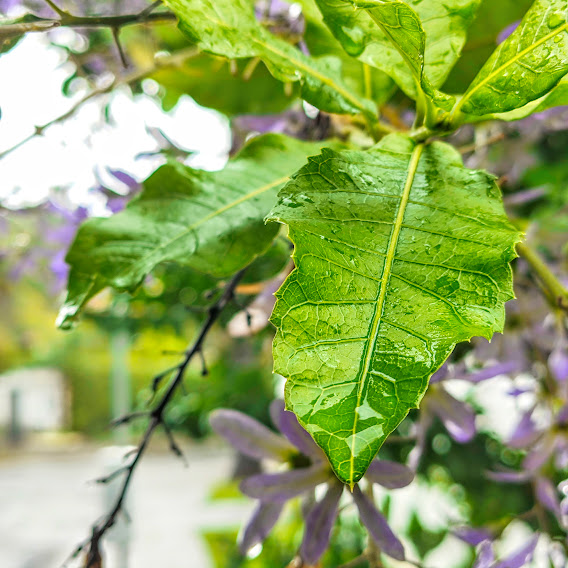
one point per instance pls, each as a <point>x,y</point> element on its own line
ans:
<point>308,469</point>
<point>51,228</point>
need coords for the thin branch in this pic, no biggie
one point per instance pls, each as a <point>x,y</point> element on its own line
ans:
<point>554,289</point>
<point>147,11</point>
<point>204,368</point>
<point>157,380</point>
<point>108,478</point>
<point>127,418</point>
<point>99,529</point>
<point>475,146</point>
<point>174,447</point>
<point>8,30</point>
<point>145,16</point>
<point>120,49</point>
<point>69,21</point>
<point>173,60</point>
<point>394,439</point>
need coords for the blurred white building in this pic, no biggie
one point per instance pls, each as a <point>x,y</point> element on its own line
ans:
<point>33,399</point>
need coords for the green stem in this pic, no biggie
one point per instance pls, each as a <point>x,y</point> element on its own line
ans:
<point>553,287</point>
<point>368,80</point>
<point>422,134</point>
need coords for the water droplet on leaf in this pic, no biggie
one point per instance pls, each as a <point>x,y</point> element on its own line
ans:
<point>555,20</point>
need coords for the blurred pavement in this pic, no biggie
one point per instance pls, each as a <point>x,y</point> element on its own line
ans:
<point>47,507</point>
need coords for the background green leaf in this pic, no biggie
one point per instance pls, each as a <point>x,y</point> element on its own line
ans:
<point>210,82</point>
<point>229,28</point>
<point>401,252</point>
<point>361,78</point>
<point>432,36</point>
<point>210,221</point>
<point>528,64</point>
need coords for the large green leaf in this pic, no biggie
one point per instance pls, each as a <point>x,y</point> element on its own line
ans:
<point>401,252</point>
<point>417,41</point>
<point>210,221</point>
<point>229,28</point>
<point>525,66</point>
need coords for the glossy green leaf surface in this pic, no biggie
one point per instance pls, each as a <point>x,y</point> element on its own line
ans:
<point>430,34</point>
<point>210,221</point>
<point>401,252</point>
<point>526,66</point>
<point>229,28</point>
<point>556,98</point>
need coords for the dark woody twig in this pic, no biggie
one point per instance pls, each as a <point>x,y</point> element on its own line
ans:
<point>92,545</point>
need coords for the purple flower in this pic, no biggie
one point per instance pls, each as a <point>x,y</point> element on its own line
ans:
<point>506,32</point>
<point>486,557</point>
<point>116,202</point>
<point>473,536</point>
<point>525,433</point>
<point>558,361</point>
<point>308,468</point>
<point>457,417</point>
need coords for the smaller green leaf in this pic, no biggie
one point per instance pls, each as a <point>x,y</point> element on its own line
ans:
<point>525,67</point>
<point>556,98</point>
<point>210,221</point>
<point>229,28</point>
<point>417,42</point>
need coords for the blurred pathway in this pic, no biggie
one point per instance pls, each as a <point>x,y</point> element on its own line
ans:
<point>47,507</point>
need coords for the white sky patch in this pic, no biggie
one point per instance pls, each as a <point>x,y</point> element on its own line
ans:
<point>70,154</point>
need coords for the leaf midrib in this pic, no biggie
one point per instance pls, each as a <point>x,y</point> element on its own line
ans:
<point>387,271</point>
<point>500,69</point>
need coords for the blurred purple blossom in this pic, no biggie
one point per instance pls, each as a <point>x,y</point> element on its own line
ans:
<point>116,202</point>
<point>308,468</point>
<point>55,227</point>
<point>292,122</point>
<point>506,32</point>
<point>558,361</point>
<point>457,417</point>
<point>6,6</point>
<point>472,536</point>
<point>486,557</point>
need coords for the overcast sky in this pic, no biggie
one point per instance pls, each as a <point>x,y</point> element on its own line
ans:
<point>69,154</point>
